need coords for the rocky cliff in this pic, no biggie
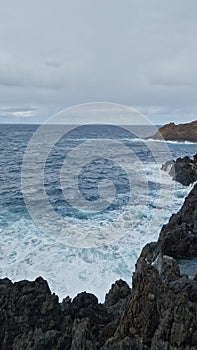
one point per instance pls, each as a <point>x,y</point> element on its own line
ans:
<point>181,132</point>
<point>179,237</point>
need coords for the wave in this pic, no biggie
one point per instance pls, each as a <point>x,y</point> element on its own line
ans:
<point>27,253</point>
<point>173,142</point>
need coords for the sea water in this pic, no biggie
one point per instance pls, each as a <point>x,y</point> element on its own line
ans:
<point>27,252</point>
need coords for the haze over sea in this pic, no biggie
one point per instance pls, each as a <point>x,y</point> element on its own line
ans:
<point>26,252</point>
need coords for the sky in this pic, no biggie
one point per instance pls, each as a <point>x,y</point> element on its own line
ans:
<point>58,53</point>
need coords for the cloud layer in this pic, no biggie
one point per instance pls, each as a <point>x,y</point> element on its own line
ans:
<point>55,54</point>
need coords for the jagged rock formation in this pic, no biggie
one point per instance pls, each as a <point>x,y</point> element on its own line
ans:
<point>183,170</point>
<point>159,313</point>
<point>181,132</point>
<point>32,318</point>
<point>179,237</point>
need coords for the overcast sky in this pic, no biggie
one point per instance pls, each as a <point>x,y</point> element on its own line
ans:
<point>58,53</point>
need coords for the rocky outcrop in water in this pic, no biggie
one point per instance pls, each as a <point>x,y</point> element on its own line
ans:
<point>183,170</point>
<point>181,132</point>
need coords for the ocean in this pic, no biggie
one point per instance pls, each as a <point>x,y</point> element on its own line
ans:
<point>101,199</point>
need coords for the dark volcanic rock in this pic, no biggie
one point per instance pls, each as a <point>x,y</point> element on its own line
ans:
<point>161,312</point>
<point>179,237</point>
<point>32,318</point>
<point>29,311</point>
<point>160,305</point>
<point>183,170</point>
<point>150,251</point>
<point>119,291</point>
<point>181,132</point>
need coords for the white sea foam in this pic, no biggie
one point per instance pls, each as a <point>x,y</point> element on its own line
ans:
<point>27,253</point>
<point>170,142</point>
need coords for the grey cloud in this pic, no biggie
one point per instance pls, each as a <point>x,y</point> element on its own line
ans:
<point>18,75</point>
<point>54,64</point>
<point>17,112</point>
<point>55,54</point>
<point>14,109</point>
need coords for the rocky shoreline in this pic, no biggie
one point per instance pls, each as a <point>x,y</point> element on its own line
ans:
<point>159,312</point>
<point>180,133</point>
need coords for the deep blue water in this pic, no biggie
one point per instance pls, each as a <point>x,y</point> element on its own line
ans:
<point>120,202</point>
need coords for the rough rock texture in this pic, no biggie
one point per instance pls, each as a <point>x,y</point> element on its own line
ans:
<point>179,237</point>
<point>160,313</point>
<point>181,132</point>
<point>150,252</point>
<point>32,318</point>
<point>183,170</point>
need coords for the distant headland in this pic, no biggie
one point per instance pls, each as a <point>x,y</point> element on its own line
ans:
<point>180,132</point>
